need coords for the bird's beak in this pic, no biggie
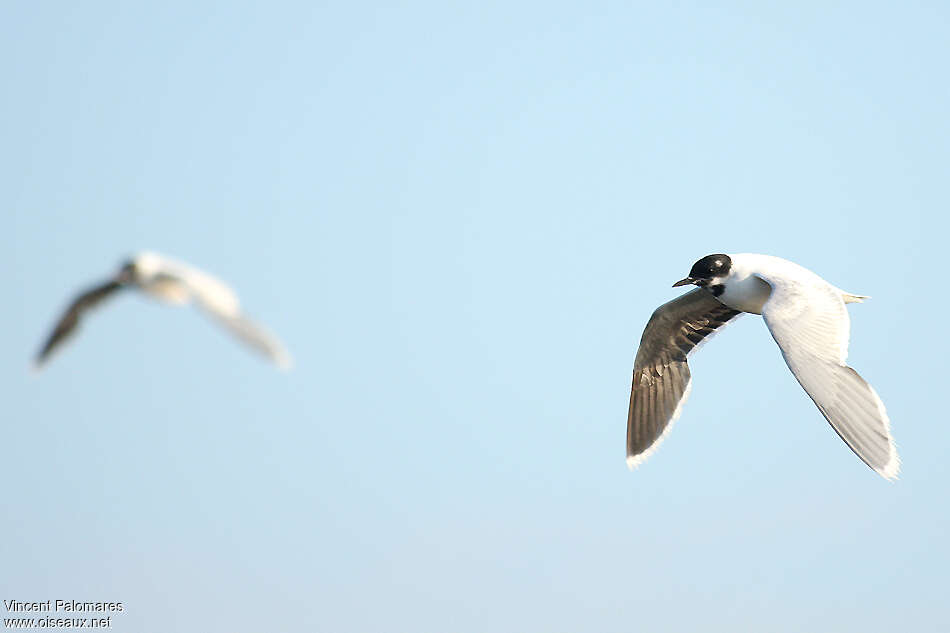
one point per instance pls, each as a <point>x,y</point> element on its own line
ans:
<point>684,282</point>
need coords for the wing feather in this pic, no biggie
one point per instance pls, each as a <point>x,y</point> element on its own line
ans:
<point>809,322</point>
<point>69,321</point>
<point>661,377</point>
<point>257,338</point>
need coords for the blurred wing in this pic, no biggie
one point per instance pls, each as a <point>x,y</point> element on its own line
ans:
<point>810,324</point>
<point>661,378</point>
<point>257,337</point>
<point>69,321</point>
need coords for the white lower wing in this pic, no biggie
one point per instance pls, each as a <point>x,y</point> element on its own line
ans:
<point>810,323</point>
<point>256,337</point>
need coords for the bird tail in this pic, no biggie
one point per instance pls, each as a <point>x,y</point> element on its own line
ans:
<point>850,298</point>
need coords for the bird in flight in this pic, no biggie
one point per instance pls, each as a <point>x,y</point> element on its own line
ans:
<point>171,282</point>
<point>807,318</point>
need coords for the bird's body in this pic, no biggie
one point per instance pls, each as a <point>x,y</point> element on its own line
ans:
<point>176,283</point>
<point>808,320</point>
<point>748,289</point>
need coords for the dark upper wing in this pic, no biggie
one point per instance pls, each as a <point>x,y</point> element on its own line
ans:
<point>70,319</point>
<point>661,379</point>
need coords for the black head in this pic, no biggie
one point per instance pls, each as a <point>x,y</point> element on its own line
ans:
<point>707,269</point>
<point>711,266</point>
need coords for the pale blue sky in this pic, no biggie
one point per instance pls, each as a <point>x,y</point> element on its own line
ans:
<point>459,216</point>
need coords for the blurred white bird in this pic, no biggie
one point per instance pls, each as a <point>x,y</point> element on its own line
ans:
<point>807,318</point>
<point>176,283</point>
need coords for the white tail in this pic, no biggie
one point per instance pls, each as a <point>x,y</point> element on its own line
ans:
<point>850,298</point>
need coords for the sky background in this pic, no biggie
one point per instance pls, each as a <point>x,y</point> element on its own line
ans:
<point>459,217</point>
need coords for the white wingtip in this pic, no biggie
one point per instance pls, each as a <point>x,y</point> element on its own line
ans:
<point>284,362</point>
<point>633,461</point>
<point>892,468</point>
<point>893,465</point>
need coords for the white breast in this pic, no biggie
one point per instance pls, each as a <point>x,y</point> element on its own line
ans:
<point>748,294</point>
<point>743,289</point>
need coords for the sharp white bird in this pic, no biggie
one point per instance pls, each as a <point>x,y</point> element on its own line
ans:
<point>807,318</point>
<point>171,282</point>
